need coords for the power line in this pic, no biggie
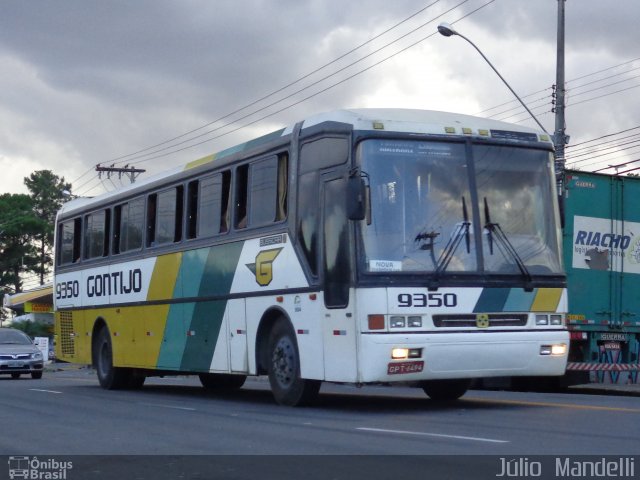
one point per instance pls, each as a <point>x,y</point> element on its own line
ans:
<point>604,136</point>
<point>161,155</point>
<point>569,82</point>
<point>280,89</point>
<point>609,159</point>
<point>591,152</point>
<point>307,87</point>
<point>595,146</point>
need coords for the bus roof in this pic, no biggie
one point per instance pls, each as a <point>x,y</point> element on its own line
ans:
<point>411,120</point>
<point>366,119</point>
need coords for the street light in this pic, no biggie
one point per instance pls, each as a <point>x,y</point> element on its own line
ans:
<point>447,30</point>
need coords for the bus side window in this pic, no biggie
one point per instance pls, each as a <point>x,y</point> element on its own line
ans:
<point>225,202</point>
<point>283,182</point>
<point>96,234</point>
<point>152,206</point>
<point>192,209</point>
<point>165,217</point>
<point>70,238</point>
<point>242,179</point>
<point>117,222</point>
<point>134,225</point>
<point>263,194</point>
<point>128,226</point>
<point>210,206</point>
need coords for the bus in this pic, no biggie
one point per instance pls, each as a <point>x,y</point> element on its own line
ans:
<point>365,246</point>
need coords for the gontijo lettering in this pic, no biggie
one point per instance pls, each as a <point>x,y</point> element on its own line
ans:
<point>115,283</point>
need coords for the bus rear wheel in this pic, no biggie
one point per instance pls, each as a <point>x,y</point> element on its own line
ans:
<point>446,390</point>
<point>222,381</point>
<point>110,377</point>
<point>287,386</point>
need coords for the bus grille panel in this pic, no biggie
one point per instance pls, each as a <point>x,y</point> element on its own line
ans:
<point>471,320</point>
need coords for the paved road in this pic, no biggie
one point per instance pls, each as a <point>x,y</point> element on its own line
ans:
<point>67,413</point>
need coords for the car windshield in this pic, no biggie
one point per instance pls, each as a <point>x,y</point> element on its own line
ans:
<point>13,337</point>
<point>435,208</point>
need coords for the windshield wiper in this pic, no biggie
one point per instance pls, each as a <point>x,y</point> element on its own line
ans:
<point>504,244</point>
<point>461,231</point>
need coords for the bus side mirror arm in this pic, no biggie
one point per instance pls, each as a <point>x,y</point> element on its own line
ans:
<point>358,198</point>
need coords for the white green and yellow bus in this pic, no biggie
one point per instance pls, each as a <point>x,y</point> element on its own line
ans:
<point>358,246</point>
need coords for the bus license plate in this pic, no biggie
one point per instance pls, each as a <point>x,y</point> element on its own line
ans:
<point>405,367</point>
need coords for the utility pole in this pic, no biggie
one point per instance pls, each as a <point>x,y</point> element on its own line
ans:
<point>130,172</point>
<point>560,137</point>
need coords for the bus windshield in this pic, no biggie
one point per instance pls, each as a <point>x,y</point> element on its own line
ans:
<point>441,207</point>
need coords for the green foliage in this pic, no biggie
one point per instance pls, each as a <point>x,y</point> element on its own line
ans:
<point>33,329</point>
<point>18,227</point>
<point>46,191</point>
<point>27,228</point>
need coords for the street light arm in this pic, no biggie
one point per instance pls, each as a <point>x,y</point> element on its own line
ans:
<point>447,31</point>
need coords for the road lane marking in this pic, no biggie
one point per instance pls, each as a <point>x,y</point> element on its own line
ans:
<point>427,434</point>
<point>41,390</point>
<point>159,405</point>
<point>554,404</point>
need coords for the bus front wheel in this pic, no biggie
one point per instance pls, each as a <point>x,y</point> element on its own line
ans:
<point>446,390</point>
<point>287,386</point>
<point>110,377</point>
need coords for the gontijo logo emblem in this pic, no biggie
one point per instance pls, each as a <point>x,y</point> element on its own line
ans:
<point>263,268</point>
<point>482,320</point>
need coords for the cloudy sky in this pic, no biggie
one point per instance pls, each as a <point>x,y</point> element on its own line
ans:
<point>157,83</point>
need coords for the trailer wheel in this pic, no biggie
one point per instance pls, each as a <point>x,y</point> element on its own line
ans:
<point>445,390</point>
<point>110,377</point>
<point>287,386</point>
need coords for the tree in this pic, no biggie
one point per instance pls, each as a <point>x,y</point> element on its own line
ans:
<point>46,191</point>
<point>18,226</point>
<point>33,329</point>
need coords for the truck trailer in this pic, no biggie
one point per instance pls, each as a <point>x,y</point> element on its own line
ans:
<point>602,260</point>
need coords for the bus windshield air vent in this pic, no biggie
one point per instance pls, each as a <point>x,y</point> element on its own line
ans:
<point>470,320</point>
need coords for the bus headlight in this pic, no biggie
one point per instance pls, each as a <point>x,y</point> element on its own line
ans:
<point>556,320</point>
<point>399,353</point>
<point>397,322</point>
<point>403,353</point>
<point>556,350</point>
<point>542,319</point>
<point>415,322</point>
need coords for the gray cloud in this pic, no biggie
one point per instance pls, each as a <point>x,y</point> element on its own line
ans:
<point>92,80</point>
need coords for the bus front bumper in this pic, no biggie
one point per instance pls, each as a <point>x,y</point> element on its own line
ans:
<point>392,357</point>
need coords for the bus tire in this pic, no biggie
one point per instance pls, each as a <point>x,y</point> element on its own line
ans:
<point>222,381</point>
<point>15,376</point>
<point>287,386</point>
<point>110,377</point>
<point>446,390</point>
